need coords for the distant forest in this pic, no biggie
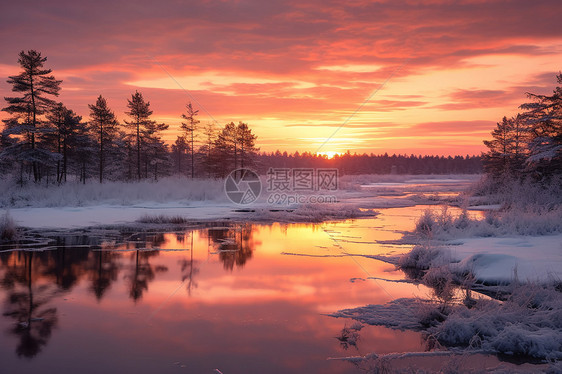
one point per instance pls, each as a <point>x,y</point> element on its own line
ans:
<point>372,164</point>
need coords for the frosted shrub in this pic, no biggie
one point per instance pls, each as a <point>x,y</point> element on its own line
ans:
<point>162,219</point>
<point>462,221</point>
<point>441,280</point>
<point>516,193</point>
<point>431,315</point>
<point>426,223</point>
<point>444,220</point>
<point>528,323</point>
<point>420,257</point>
<point>171,189</point>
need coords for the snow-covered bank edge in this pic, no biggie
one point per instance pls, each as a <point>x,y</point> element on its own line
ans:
<point>119,203</point>
<point>522,321</point>
<point>154,214</point>
<point>527,324</point>
<point>513,255</point>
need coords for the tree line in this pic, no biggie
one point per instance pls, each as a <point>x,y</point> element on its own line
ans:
<point>528,144</point>
<point>43,140</point>
<point>348,163</point>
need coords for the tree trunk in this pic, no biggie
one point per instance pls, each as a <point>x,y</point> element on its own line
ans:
<point>138,152</point>
<point>101,152</point>
<point>192,168</point>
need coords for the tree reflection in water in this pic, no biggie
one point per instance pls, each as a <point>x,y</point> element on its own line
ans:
<point>33,280</point>
<point>235,245</point>
<point>188,268</point>
<point>104,269</point>
<point>27,301</point>
<point>142,272</point>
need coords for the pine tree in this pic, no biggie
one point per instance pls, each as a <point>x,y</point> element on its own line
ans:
<point>544,116</point>
<point>247,144</point>
<point>207,149</point>
<point>155,150</point>
<point>36,85</point>
<point>507,151</point>
<point>139,111</point>
<point>66,125</point>
<point>226,146</point>
<point>85,152</point>
<point>179,152</point>
<point>104,127</point>
<point>189,128</point>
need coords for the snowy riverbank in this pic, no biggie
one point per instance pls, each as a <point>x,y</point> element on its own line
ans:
<point>513,254</point>
<point>115,203</point>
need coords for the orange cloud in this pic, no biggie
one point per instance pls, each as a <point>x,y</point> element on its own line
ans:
<point>298,70</point>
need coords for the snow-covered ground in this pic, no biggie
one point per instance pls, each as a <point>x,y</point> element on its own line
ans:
<point>513,253</point>
<point>114,203</point>
<point>525,259</point>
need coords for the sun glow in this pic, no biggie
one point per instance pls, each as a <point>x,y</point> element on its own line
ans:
<point>328,154</point>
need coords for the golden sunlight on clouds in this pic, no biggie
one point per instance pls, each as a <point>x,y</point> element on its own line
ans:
<point>214,81</point>
<point>296,72</point>
<point>352,68</point>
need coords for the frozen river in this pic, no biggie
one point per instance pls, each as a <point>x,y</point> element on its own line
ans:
<point>224,297</point>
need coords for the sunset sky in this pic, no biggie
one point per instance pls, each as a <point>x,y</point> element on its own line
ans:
<point>437,74</point>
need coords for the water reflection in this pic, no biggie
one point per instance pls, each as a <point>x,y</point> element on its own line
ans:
<point>28,300</point>
<point>189,267</point>
<point>103,270</point>
<point>235,245</point>
<point>141,272</point>
<point>215,297</point>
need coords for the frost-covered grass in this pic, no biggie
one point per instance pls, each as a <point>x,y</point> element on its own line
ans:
<point>8,228</point>
<point>520,241</point>
<point>517,194</point>
<point>171,189</point>
<point>528,324</point>
<point>518,220</point>
<point>162,219</point>
<point>113,193</point>
<point>513,254</point>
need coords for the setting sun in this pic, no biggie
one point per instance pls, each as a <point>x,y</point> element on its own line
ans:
<point>328,154</point>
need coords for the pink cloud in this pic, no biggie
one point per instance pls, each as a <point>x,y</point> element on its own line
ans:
<point>100,46</point>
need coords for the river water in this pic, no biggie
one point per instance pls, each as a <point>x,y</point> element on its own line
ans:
<point>228,298</point>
